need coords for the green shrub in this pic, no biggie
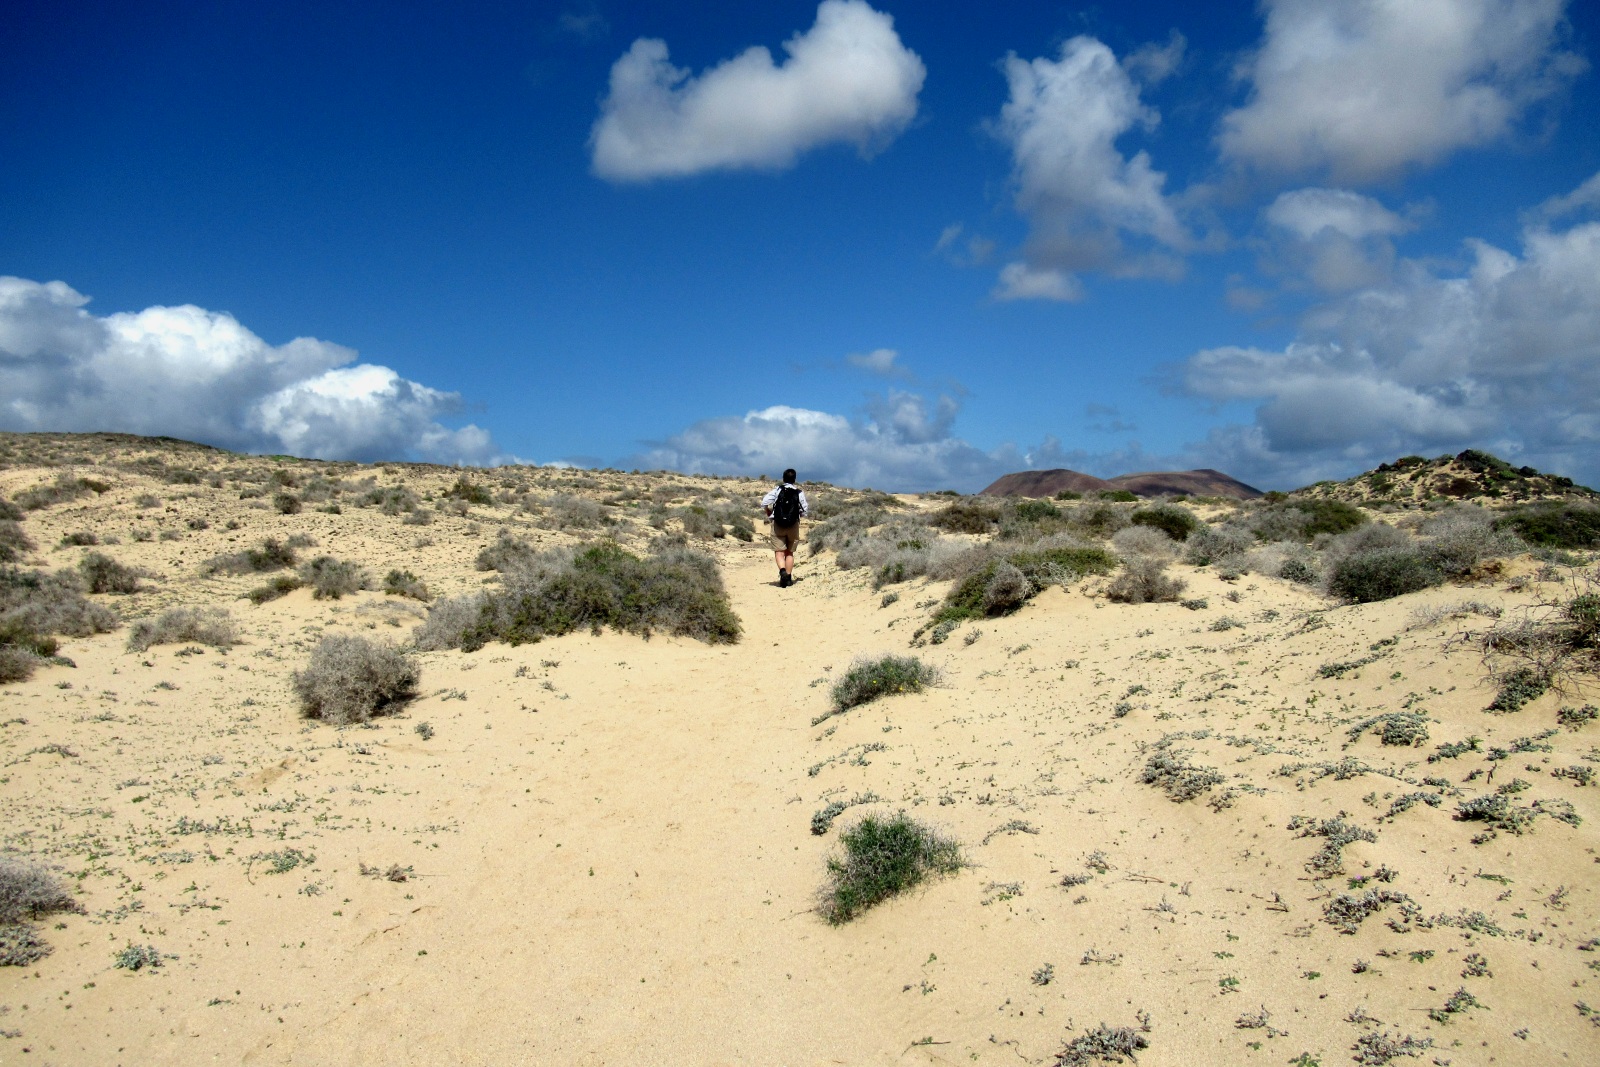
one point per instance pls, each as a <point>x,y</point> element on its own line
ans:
<point>1029,510</point>
<point>507,553</point>
<point>331,579</point>
<point>206,626</point>
<point>1121,496</point>
<point>282,585</point>
<point>971,597</point>
<point>870,679</point>
<point>1574,718</point>
<point>1381,574</point>
<point>966,516</point>
<point>1564,526</point>
<point>1303,518</point>
<point>676,590</point>
<point>102,574</point>
<point>882,857</point>
<point>1100,520</point>
<point>391,501</point>
<point>406,584</point>
<point>351,679</point>
<point>1068,494</point>
<point>1177,523</point>
<point>466,490</point>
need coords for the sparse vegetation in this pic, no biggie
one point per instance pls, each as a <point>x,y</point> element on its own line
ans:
<point>332,579</point>
<point>27,892</point>
<point>881,857</point>
<point>1174,521</point>
<point>404,583</point>
<point>273,555</point>
<point>1105,1044</point>
<point>1382,574</point>
<point>351,679</point>
<point>34,608</point>
<point>282,585</point>
<point>1144,580</point>
<point>102,574</point>
<point>675,590</point>
<point>1169,770</point>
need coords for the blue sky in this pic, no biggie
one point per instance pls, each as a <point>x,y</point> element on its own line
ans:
<point>914,246</point>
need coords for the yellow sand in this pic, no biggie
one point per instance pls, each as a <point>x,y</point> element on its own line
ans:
<point>607,845</point>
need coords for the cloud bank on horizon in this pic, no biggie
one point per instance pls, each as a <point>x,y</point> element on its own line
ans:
<point>201,375</point>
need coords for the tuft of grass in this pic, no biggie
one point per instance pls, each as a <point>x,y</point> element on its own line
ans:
<point>871,679</point>
<point>881,857</point>
<point>331,579</point>
<point>351,679</point>
<point>206,626</point>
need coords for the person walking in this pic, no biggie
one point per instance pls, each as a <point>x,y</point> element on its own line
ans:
<point>785,506</point>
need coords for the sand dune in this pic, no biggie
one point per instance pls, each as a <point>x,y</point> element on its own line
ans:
<point>603,852</point>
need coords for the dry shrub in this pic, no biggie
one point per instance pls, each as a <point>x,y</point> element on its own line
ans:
<point>1213,544</point>
<point>507,553</point>
<point>271,556</point>
<point>331,578</point>
<point>404,583</point>
<point>27,891</point>
<point>351,679</point>
<point>1144,541</point>
<point>102,574</point>
<point>1144,580</point>
<point>205,626</point>
<point>35,606</point>
<point>13,542</point>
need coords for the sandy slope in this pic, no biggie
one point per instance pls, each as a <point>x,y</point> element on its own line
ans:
<point>610,849</point>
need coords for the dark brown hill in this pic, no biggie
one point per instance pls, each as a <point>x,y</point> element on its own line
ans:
<point>1202,482</point>
<point>1045,483</point>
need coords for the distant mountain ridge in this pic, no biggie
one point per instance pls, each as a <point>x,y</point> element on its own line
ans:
<point>1202,482</point>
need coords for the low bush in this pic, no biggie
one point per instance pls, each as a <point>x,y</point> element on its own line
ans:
<point>13,542</point>
<point>273,555</point>
<point>1105,1044</point>
<point>675,589</point>
<point>1143,541</point>
<point>351,679</point>
<point>282,585</point>
<point>1381,574</point>
<point>1174,521</point>
<point>1302,519</point>
<point>1169,770</point>
<point>1120,496</point>
<point>871,679</point>
<point>10,512</point>
<point>331,579</point>
<point>1564,526</point>
<point>1100,520</point>
<point>102,574</point>
<point>79,538</point>
<point>1210,544</point>
<point>508,552</point>
<point>406,584</point>
<point>391,501</point>
<point>1051,562</point>
<point>27,892</point>
<point>1462,538</point>
<point>205,626</point>
<point>879,858</point>
<point>63,490</point>
<point>897,551</point>
<point>568,511</point>
<point>287,504</point>
<point>39,604</point>
<point>1144,580</point>
<point>469,492</point>
<point>971,516</point>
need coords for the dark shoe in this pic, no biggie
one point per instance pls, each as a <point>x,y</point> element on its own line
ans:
<point>783,579</point>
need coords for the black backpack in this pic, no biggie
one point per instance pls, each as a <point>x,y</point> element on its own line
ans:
<point>786,509</point>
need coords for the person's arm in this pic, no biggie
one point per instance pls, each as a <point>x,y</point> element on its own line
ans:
<point>767,502</point>
<point>805,508</point>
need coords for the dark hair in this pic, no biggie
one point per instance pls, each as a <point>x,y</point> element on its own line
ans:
<point>789,475</point>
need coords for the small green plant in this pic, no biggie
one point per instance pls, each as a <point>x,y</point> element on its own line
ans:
<point>1174,521</point>
<point>138,957</point>
<point>879,858</point>
<point>1105,1044</point>
<point>424,731</point>
<point>282,585</point>
<point>1519,688</point>
<point>1575,718</point>
<point>871,679</point>
<point>469,492</point>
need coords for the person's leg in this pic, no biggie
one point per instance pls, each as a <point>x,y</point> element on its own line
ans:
<point>788,563</point>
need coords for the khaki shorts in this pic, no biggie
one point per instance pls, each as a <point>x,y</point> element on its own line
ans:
<point>784,538</point>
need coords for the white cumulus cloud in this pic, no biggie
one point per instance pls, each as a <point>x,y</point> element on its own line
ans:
<point>1363,89</point>
<point>1081,196</point>
<point>1336,239</point>
<point>848,79</point>
<point>202,375</point>
<point>1504,355</point>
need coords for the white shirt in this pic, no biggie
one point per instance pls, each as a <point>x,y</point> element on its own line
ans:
<point>772,498</point>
